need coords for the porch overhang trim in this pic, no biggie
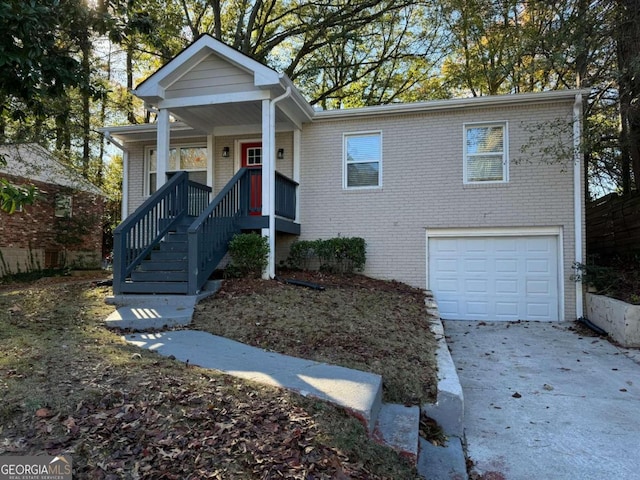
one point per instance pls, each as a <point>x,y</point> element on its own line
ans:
<point>203,100</point>
<point>128,133</point>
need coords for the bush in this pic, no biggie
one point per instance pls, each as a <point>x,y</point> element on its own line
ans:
<point>602,279</point>
<point>249,255</point>
<point>335,255</point>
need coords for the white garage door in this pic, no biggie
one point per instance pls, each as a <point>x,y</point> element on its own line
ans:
<point>495,278</point>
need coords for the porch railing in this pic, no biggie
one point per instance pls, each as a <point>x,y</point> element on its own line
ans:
<point>285,197</point>
<point>143,230</point>
<point>209,235</point>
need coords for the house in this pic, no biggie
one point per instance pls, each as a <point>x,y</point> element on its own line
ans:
<point>477,199</point>
<point>62,228</point>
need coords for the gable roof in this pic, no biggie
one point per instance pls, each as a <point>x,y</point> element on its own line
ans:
<point>153,87</point>
<point>34,162</point>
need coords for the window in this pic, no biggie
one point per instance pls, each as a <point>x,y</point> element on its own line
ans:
<point>254,156</point>
<point>63,206</point>
<point>190,158</point>
<point>362,160</point>
<point>485,154</point>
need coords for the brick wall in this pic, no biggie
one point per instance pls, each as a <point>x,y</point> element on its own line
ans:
<point>36,238</point>
<point>422,165</point>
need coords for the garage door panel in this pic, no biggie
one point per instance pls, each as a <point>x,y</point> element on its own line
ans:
<point>475,265</point>
<point>445,285</point>
<point>540,245</point>
<point>508,245</point>
<point>476,245</point>
<point>538,287</point>
<point>538,311</point>
<point>495,278</point>
<point>480,308</point>
<point>476,286</point>
<point>447,264</point>
<point>450,306</point>
<point>506,287</point>
<point>505,265</point>
<point>538,266</point>
<point>447,245</point>
<point>508,309</point>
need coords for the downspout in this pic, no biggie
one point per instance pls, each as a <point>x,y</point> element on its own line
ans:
<point>271,267</point>
<point>577,197</point>
<point>124,211</point>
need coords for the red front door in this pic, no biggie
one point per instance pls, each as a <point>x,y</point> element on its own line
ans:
<point>252,159</point>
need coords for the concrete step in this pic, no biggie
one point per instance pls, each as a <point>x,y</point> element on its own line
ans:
<point>443,462</point>
<point>360,393</point>
<point>154,300</point>
<point>156,287</point>
<point>398,427</point>
<point>149,318</point>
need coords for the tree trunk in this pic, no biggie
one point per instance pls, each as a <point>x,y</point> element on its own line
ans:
<point>131,117</point>
<point>85,92</point>
<point>629,84</point>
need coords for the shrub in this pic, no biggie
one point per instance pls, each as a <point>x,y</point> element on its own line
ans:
<point>302,254</point>
<point>602,279</point>
<point>249,255</point>
<point>336,255</point>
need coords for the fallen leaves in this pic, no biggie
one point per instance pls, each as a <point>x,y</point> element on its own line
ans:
<point>73,387</point>
<point>356,322</point>
<point>206,430</point>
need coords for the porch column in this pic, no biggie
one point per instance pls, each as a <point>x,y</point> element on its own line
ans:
<point>297,135</point>
<point>268,180</point>
<point>163,142</point>
<point>211,148</point>
<point>124,212</point>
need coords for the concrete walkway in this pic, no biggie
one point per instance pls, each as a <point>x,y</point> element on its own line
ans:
<point>542,402</point>
<point>358,392</point>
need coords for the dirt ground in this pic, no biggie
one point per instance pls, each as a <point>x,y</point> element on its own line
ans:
<point>348,320</point>
<point>69,385</point>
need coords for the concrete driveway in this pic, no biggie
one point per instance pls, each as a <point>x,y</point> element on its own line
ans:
<point>544,402</point>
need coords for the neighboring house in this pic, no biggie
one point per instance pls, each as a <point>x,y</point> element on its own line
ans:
<point>477,199</point>
<point>64,225</point>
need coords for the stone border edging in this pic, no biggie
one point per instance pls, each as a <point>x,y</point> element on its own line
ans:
<point>448,410</point>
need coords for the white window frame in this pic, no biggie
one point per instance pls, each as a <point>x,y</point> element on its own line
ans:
<point>63,207</point>
<point>345,137</point>
<point>505,153</point>
<point>147,159</point>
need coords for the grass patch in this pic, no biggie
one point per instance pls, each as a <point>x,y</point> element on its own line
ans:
<point>67,385</point>
<point>355,322</point>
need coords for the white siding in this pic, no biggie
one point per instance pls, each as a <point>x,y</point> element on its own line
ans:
<point>211,76</point>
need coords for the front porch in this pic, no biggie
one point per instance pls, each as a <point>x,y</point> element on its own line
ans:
<point>221,104</point>
<point>175,240</point>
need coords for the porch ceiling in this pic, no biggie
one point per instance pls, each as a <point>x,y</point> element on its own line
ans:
<point>210,117</point>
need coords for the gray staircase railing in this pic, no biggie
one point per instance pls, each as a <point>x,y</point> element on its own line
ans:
<point>143,230</point>
<point>285,197</point>
<point>209,235</point>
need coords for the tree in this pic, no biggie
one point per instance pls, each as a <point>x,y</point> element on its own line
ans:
<point>37,60</point>
<point>13,197</point>
<point>628,56</point>
<point>332,48</point>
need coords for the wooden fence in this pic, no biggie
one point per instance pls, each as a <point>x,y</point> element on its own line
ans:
<point>613,225</point>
